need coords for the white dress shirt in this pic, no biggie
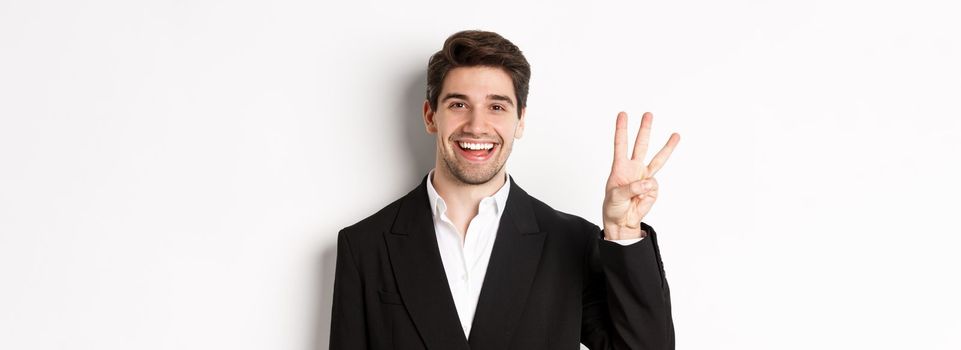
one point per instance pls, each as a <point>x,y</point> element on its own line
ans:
<point>465,262</point>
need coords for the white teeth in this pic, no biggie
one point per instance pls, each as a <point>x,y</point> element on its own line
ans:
<point>476,146</point>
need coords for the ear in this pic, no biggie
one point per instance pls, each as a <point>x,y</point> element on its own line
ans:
<point>429,118</point>
<point>519,130</point>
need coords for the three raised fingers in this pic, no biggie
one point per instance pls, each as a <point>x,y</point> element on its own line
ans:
<point>640,144</point>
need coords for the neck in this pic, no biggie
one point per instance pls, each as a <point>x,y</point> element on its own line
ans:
<point>461,195</point>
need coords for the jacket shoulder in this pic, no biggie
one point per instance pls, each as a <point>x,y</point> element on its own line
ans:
<point>374,224</point>
<point>555,220</point>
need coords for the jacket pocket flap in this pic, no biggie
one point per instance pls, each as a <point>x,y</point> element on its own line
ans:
<point>389,298</point>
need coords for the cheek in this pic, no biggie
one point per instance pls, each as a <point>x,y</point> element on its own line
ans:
<point>513,130</point>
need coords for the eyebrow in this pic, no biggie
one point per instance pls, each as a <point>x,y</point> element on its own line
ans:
<point>454,95</point>
<point>489,97</point>
<point>501,98</point>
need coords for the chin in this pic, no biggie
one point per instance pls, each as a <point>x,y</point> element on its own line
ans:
<point>473,176</point>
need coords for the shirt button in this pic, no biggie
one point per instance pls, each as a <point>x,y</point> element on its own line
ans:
<point>463,277</point>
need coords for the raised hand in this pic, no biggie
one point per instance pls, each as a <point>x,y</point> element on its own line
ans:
<point>631,189</point>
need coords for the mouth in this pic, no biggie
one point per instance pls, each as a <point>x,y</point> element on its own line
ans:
<point>479,151</point>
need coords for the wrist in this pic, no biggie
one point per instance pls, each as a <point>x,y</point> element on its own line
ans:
<point>618,232</point>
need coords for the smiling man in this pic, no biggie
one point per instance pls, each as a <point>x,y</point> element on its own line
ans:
<point>469,260</point>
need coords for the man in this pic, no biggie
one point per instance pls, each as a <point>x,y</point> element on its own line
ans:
<point>469,260</point>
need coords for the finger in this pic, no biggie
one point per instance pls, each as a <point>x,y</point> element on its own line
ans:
<point>646,202</point>
<point>620,137</point>
<point>645,187</point>
<point>633,189</point>
<point>643,137</point>
<point>661,157</point>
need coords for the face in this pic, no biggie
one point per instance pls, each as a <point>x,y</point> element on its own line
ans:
<point>476,122</point>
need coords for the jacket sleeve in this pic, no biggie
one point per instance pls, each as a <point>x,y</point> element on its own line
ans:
<point>348,327</point>
<point>626,299</point>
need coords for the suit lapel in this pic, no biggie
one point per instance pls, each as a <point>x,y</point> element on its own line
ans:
<point>422,282</point>
<point>510,273</point>
<point>419,271</point>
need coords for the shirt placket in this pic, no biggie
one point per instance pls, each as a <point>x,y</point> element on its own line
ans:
<point>475,241</point>
<point>461,286</point>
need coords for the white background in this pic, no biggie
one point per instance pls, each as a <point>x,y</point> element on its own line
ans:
<point>173,174</point>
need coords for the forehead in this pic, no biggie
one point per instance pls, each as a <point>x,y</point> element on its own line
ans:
<point>478,81</point>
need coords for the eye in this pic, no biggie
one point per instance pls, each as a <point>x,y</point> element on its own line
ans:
<point>458,105</point>
<point>498,107</point>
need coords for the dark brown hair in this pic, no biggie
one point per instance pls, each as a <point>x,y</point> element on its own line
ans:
<point>478,48</point>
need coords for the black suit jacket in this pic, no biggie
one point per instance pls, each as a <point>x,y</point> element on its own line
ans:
<point>552,282</point>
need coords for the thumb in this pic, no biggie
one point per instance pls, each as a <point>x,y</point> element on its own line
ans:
<point>628,191</point>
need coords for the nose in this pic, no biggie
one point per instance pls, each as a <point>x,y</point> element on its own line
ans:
<point>476,123</point>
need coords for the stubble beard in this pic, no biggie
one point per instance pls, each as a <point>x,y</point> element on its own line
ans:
<point>472,174</point>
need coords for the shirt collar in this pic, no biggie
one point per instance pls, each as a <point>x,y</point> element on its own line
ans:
<point>498,200</point>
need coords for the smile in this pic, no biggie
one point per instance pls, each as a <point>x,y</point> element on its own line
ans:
<point>476,151</point>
